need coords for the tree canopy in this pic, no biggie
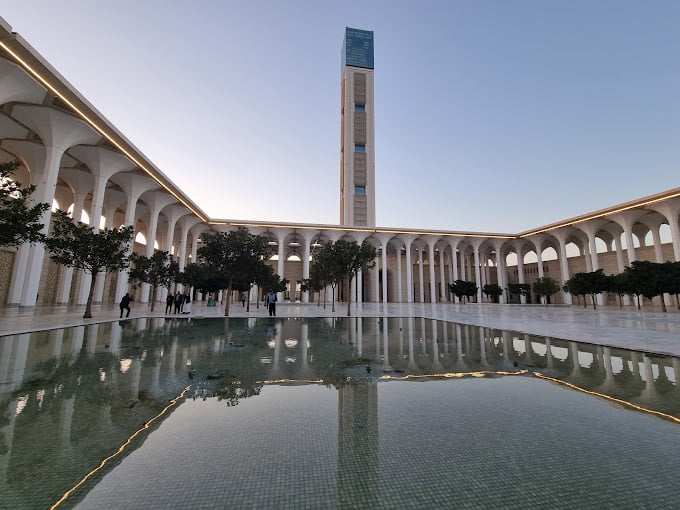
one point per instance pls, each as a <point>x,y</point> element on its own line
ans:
<point>463,289</point>
<point>74,244</point>
<point>158,270</point>
<point>545,286</point>
<point>232,255</point>
<point>20,219</point>
<point>340,261</point>
<point>584,284</point>
<point>493,290</point>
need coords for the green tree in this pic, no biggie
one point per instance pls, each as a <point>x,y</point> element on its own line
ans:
<point>229,254</point>
<point>672,269</point>
<point>619,284</point>
<point>545,287</point>
<point>269,281</point>
<point>650,279</point>
<point>158,270</point>
<point>20,220</point>
<point>463,290</point>
<point>587,284</point>
<point>77,245</point>
<point>493,290</point>
<point>343,260</point>
<point>519,289</point>
<point>321,271</point>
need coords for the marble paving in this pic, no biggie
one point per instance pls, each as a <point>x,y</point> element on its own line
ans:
<point>646,330</point>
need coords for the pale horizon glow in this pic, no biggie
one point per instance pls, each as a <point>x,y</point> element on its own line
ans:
<point>491,116</point>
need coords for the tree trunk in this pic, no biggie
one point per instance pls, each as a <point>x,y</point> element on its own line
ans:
<point>248,301</point>
<point>638,301</point>
<point>592,296</point>
<point>333,301</point>
<point>90,297</point>
<point>663,304</point>
<point>349,295</point>
<point>226,305</point>
<point>153,295</point>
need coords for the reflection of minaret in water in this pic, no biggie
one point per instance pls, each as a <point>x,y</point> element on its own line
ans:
<point>358,446</point>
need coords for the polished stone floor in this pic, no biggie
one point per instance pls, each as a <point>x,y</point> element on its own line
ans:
<point>646,330</point>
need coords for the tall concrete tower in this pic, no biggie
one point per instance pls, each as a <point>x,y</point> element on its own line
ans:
<point>357,138</point>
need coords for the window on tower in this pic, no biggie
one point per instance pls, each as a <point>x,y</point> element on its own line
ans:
<point>359,148</point>
<point>359,108</point>
<point>359,190</point>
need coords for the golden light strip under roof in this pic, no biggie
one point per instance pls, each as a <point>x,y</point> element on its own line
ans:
<point>340,228</point>
<point>98,128</point>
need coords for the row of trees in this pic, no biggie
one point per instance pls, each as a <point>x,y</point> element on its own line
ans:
<point>543,287</point>
<point>337,263</point>
<point>641,278</point>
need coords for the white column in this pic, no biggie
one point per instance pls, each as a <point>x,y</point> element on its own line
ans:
<point>421,277</point>
<point>307,237</point>
<point>376,280</point>
<point>43,194</point>
<point>408,240</point>
<point>500,268</point>
<point>658,253</point>
<point>360,286</point>
<point>539,262</point>
<point>619,253</point>
<point>453,243</point>
<point>477,274</point>
<point>280,238</point>
<point>520,272</point>
<point>433,282</point>
<point>400,296</point>
<point>442,277</point>
<point>384,273</point>
<point>561,237</point>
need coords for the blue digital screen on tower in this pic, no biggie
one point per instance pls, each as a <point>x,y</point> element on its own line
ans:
<point>357,48</point>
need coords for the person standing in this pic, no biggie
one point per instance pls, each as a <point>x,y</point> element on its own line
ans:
<point>125,305</point>
<point>271,303</point>
<point>187,303</point>
<point>243,299</point>
<point>179,298</point>
<point>169,301</point>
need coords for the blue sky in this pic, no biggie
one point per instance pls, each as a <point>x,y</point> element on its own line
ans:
<point>494,116</point>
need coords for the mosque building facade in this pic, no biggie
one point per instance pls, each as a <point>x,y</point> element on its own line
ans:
<point>79,161</point>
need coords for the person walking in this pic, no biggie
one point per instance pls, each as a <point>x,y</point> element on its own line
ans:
<point>243,299</point>
<point>271,303</point>
<point>125,305</point>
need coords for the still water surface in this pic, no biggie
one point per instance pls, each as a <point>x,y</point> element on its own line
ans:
<point>331,413</point>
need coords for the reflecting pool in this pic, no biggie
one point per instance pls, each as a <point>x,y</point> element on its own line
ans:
<point>332,413</point>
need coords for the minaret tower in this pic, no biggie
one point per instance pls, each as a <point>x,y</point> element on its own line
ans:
<point>357,137</point>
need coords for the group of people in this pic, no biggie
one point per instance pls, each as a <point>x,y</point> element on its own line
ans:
<point>180,302</point>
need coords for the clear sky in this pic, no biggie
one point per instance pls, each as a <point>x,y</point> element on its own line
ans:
<point>494,116</point>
